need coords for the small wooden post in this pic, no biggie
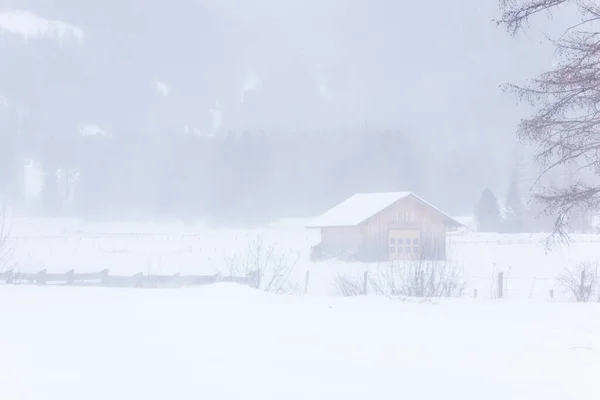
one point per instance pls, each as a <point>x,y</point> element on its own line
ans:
<point>365,282</point>
<point>552,293</point>
<point>8,276</point>
<point>306,279</point>
<point>500,284</point>
<point>104,277</point>
<point>475,293</point>
<point>41,277</point>
<point>69,276</point>
<point>139,280</point>
<point>176,280</point>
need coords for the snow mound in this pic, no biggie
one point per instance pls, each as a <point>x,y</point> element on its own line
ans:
<point>29,25</point>
<point>190,344</point>
<point>162,88</point>
<point>226,290</point>
<point>91,130</point>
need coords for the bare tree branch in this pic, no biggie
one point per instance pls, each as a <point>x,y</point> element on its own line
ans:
<point>515,16</point>
<point>566,124</point>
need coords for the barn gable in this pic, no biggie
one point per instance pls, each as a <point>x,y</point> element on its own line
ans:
<point>363,206</point>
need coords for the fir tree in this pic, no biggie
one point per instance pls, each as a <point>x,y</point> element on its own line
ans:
<point>487,213</point>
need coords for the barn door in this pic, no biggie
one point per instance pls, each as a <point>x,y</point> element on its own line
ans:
<point>404,244</point>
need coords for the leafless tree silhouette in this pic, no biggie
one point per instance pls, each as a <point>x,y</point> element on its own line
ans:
<point>565,126</point>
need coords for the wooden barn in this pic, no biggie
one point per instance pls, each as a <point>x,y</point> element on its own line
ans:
<point>383,226</point>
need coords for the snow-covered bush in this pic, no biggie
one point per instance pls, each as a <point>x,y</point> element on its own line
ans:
<point>581,282</point>
<point>265,266</point>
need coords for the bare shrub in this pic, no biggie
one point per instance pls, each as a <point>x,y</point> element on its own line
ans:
<point>424,274</point>
<point>265,267</point>
<point>582,282</point>
<point>349,287</point>
<point>419,278</point>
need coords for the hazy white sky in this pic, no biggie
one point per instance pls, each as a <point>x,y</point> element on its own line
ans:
<point>431,70</point>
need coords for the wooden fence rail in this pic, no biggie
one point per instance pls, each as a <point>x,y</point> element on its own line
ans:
<point>104,278</point>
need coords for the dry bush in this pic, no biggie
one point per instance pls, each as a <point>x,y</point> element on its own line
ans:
<point>265,267</point>
<point>582,282</point>
<point>349,287</point>
<point>419,278</point>
<point>426,275</point>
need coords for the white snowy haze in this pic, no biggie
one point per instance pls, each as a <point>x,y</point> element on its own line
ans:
<point>241,110</point>
<point>169,175</point>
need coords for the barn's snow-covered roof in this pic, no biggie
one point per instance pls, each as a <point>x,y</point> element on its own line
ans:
<point>363,206</point>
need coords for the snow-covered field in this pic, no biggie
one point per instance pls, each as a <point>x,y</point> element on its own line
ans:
<point>62,245</point>
<point>230,342</point>
<point>227,341</point>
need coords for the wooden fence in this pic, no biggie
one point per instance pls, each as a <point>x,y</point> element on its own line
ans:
<point>104,278</point>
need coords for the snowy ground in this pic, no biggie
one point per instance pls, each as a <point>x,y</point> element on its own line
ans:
<point>61,245</point>
<point>226,341</point>
<point>230,342</point>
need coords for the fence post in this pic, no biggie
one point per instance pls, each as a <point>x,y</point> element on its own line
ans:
<point>41,277</point>
<point>500,284</point>
<point>104,277</point>
<point>552,293</point>
<point>8,275</point>
<point>69,276</point>
<point>177,279</point>
<point>306,278</point>
<point>365,282</point>
<point>138,280</point>
<point>475,293</point>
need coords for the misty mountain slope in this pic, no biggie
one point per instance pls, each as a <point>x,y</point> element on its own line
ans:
<point>112,73</point>
<point>150,75</point>
<point>376,61</point>
<point>30,26</point>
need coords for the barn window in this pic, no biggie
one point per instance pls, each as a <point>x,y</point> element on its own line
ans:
<point>393,249</point>
<point>415,241</point>
<point>407,241</point>
<point>392,241</point>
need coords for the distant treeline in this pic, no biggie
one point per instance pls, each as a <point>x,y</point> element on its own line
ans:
<point>229,178</point>
<point>305,162</point>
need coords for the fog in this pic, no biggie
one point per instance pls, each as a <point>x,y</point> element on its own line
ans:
<point>192,206</point>
<point>239,111</point>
